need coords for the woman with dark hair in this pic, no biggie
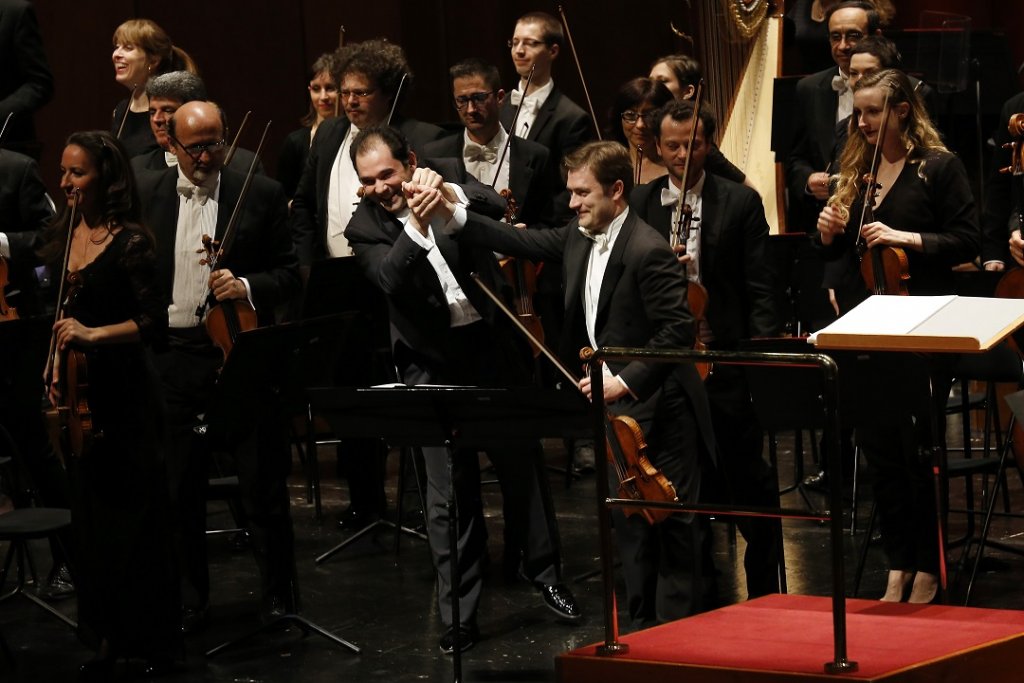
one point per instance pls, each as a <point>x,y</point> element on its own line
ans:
<point>629,123</point>
<point>323,104</point>
<point>924,206</point>
<point>141,49</point>
<point>127,590</point>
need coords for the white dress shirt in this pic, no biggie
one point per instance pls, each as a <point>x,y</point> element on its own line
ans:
<point>532,104</point>
<point>694,198</point>
<point>483,169</point>
<point>341,197</point>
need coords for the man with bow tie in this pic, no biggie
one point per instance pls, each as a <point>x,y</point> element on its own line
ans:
<point>180,205</point>
<point>548,117</point>
<point>624,287</point>
<point>444,330</point>
<point>822,99</point>
<point>726,252</point>
<point>524,169</point>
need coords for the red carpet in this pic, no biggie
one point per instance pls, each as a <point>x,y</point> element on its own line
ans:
<point>789,638</point>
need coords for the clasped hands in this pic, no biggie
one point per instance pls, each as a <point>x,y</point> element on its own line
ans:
<point>427,196</point>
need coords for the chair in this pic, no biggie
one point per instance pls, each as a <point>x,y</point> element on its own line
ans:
<point>18,527</point>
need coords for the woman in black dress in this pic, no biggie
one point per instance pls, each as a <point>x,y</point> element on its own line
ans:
<point>925,207</point>
<point>141,49</point>
<point>127,592</point>
<point>323,104</point>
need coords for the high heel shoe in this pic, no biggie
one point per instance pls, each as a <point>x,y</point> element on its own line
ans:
<point>897,586</point>
<point>925,590</point>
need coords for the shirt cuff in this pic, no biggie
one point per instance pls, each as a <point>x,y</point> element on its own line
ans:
<point>248,291</point>
<point>426,243</point>
<point>5,245</point>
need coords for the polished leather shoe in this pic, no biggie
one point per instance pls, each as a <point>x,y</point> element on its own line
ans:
<point>194,619</point>
<point>468,635</point>
<point>817,481</point>
<point>560,600</point>
<point>58,585</point>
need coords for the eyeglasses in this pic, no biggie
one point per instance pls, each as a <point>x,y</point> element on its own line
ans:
<point>477,98</point>
<point>525,42</point>
<point>196,151</point>
<point>851,37</point>
<point>630,116</point>
<point>357,94</point>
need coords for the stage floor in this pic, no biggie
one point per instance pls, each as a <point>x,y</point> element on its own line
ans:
<point>789,638</point>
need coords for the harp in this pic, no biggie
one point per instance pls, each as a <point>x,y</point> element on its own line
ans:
<point>739,45</point>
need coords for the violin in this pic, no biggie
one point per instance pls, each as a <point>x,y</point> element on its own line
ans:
<point>68,371</point>
<point>626,449</point>
<point>228,319</point>
<point>522,275</point>
<point>886,270</point>
<point>696,294</point>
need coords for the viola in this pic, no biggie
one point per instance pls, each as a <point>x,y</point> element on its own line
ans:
<point>228,319</point>
<point>626,449</point>
<point>7,312</point>
<point>886,270</point>
<point>522,276</point>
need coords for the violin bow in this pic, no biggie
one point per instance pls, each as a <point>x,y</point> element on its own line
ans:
<point>238,134</point>
<point>697,101</point>
<point>6,121</point>
<point>512,129</point>
<point>50,364</point>
<point>579,69</point>
<point>398,93</point>
<point>871,186</point>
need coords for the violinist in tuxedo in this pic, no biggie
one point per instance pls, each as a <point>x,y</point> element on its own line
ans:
<point>726,253</point>
<point>548,117</point>
<point>372,74</point>
<point>444,330</point>
<point>624,287</point>
<point>180,205</point>
<point>525,169</point>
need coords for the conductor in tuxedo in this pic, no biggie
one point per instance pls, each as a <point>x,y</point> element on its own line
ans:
<point>180,205</point>
<point>624,287</point>
<point>444,330</point>
<point>726,253</point>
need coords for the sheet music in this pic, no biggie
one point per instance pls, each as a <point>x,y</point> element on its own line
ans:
<point>886,315</point>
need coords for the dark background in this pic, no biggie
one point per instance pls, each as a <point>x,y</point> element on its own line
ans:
<point>254,54</point>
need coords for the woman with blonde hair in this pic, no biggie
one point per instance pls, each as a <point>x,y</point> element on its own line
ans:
<point>923,206</point>
<point>141,49</point>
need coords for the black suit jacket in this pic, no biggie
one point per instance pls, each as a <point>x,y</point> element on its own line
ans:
<point>262,250</point>
<point>561,125</point>
<point>153,160</point>
<point>26,83</point>
<point>309,205</point>
<point>529,177</point>
<point>734,264</point>
<point>24,212</point>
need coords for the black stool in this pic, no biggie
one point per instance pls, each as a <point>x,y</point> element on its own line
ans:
<point>18,527</point>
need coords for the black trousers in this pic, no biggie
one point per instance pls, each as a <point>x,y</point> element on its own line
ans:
<point>262,461</point>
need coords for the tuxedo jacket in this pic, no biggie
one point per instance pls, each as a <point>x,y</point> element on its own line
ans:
<point>530,178</point>
<point>734,264</point>
<point>309,205</point>
<point>153,160</point>
<point>24,212</point>
<point>262,250</point>
<point>26,83</point>
<point>561,125</point>
<point>393,262</point>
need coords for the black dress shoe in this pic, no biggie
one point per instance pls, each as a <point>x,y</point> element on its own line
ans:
<point>194,619</point>
<point>468,635</point>
<point>560,600</point>
<point>58,585</point>
<point>818,481</point>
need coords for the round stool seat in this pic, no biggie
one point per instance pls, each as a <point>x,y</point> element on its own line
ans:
<point>24,523</point>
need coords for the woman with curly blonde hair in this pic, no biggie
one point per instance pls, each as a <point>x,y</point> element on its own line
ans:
<point>925,207</point>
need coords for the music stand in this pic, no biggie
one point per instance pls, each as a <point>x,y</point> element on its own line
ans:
<point>248,380</point>
<point>454,417</point>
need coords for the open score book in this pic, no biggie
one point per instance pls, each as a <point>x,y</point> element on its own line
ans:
<point>923,323</point>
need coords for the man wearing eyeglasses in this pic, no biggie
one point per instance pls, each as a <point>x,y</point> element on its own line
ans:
<point>372,75</point>
<point>180,205</point>
<point>822,99</point>
<point>547,117</point>
<point>167,92</point>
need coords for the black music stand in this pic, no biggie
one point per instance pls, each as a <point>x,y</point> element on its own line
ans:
<point>272,364</point>
<point>454,417</point>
